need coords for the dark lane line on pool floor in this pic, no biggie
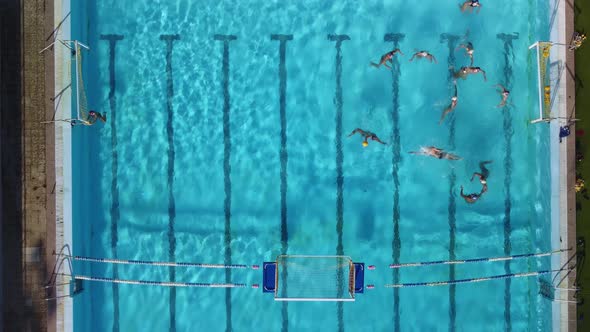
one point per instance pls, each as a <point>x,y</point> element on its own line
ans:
<point>169,39</point>
<point>395,38</point>
<point>508,132</point>
<point>451,41</point>
<point>226,39</point>
<point>284,158</point>
<point>115,213</point>
<point>339,159</point>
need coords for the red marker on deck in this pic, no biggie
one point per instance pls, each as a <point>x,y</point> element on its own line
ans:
<point>255,267</point>
<point>255,286</point>
<point>371,267</point>
<point>370,286</point>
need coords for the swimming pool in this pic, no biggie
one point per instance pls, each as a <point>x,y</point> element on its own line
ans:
<point>235,150</point>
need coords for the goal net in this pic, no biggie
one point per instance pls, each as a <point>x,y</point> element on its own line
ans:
<point>314,278</point>
<point>544,82</point>
<point>81,101</point>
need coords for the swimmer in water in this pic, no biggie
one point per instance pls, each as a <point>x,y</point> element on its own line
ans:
<point>387,57</point>
<point>483,176</point>
<point>471,4</point>
<point>465,71</point>
<point>423,54</point>
<point>505,94</point>
<point>367,135</point>
<point>470,198</point>
<point>92,117</point>
<point>451,107</point>
<point>435,152</point>
<point>468,50</point>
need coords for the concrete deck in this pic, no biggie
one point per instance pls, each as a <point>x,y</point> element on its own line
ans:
<point>28,216</point>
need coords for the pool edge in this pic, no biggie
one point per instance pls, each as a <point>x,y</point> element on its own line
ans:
<point>63,188</point>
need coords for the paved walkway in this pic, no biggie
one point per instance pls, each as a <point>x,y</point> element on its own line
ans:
<point>28,233</point>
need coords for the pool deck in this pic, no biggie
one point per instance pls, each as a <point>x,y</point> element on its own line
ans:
<point>561,32</point>
<point>29,222</point>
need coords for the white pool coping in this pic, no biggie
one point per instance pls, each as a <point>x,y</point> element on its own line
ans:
<point>63,162</point>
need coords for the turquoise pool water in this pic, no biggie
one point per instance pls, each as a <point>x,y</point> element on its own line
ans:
<point>207,157</point>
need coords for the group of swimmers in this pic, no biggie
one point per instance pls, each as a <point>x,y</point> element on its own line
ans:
<point>463,72</point>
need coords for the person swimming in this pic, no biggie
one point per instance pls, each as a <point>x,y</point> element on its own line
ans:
<point>465,71</point>
<point>423,54</point>
<point>387,57</point>
<point>451,107</point>
<point>367,135</point>
<point>471,4</point>
<point>92,117</point>
<point>483,176</point>
<point>435,152</point>
<point>470,198</point>
<point>505,94</point>
<point>468,50</point>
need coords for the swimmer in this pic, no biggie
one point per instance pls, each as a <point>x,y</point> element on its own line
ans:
<point>387,57</point>
<point>505,93</point>
<point>483,176</point>
<point>471,4</point>
<point>423,54</point>
<point>92,117</point>
<point>468,50</point>
<point>367,135</point>
<point>435,152</point>
<point>470,198</point>
<point>451,107</point>
<point>465,71</point>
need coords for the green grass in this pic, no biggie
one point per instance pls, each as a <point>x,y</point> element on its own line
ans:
<point>582,24</point>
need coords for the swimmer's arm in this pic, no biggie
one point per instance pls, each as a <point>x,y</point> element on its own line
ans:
<point>353,132</point>
<point>433,58</point>
<point>400,51</point>
<point>413,56</point>
<point>444,113</point>
<point>478,8</point>
<point>385,64</point>
<point>484,75</point>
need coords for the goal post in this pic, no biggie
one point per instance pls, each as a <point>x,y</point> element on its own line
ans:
<point>543,53</point>
<point>314,278</point>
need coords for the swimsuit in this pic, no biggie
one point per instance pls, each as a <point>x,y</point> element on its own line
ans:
<point>474,3</point>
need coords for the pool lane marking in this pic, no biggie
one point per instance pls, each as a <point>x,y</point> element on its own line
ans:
<point>395,38</point>
<point>339,159</point>
<point>508,132</point>
<point>169,39</point>
<point>226,39</point>
<point>451,41</point>
<point>284,158</point>
<point>115,213</point>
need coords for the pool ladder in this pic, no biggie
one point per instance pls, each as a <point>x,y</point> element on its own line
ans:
<point>51,286</point>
